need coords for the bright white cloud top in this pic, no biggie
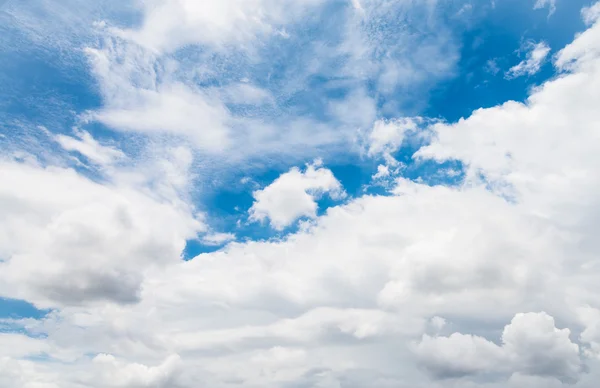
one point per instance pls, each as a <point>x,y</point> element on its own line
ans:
<point>294,194</point>
<point>490,282</point>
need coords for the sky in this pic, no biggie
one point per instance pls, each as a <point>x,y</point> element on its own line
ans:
<point>299,193</point>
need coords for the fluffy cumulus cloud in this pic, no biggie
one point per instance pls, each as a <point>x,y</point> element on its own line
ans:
<point>491,282</point>
<point>67,239</point>
<point>531,345</point>
<point>386,137</point>
<point>294,194</point>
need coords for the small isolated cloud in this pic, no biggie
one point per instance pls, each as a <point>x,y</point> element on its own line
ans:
<point>535,58</point>
<point>491,66</point>
<point>294,194</point>
<point>383,171</point>
<point>550,4</point>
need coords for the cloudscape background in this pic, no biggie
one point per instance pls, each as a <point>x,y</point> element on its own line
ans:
<point>299,193</point>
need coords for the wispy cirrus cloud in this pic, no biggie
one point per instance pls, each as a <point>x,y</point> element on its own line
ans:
<point>536,56</point>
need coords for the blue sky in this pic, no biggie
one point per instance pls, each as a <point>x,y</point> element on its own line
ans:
<point>363,171</point>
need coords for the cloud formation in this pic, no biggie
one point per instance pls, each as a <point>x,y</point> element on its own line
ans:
<point>531,346</point>
<point>294,195</point>
<point>535,58</point>
<point>541,4</point>
<point>488,283</point>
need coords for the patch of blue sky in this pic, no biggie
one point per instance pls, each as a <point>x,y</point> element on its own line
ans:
<point>40,81</point>
<point>19,309</point>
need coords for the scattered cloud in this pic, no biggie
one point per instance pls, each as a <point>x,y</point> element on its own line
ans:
<point>410,289</point>
<point>294,194</point>
<point>541,4</point>
<point>169,25</point>
<point>491,67</point>
<point>386,137</point>
<point>591,14</point>
<point>87,146</point>
<point>218,238</point>
<point>535,58</point>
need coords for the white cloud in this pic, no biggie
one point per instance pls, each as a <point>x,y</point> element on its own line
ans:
<point>89,147</point>
<point>293,195</point>
<point>551,4</point>
<point>590,319</point>
<point>68,240</point>
<point>357,109</point>
<point>338,303</point>
<point>243,93</point>
<point>538,348</point>
<point>458,355</point>
<point>138,98</point>
<point>382,172</point>
<point>531,345</point>
<point>591,14</point>
<point>386,137</point>
<point>218,238</point>
<point>116,373</point>
<point>169,25</point>
<point>20,345</point>
<point>535,58</point>
<point>149,87</point>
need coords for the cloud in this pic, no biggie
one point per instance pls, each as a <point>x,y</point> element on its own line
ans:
<point>293,195</point>
<point>535,58</point>
<point>538,348</point>
<point>340,302</point>
<point>20,345</point>
<point>87,146</point>
<point>458,355</point>
<point>168,25</point>
<point>591,14</point>
<point>197,77</point>
<point>551,4</point>
<point>218,238</point>
<point>531,345</point>
<point>365,277</point>
<point>83,241</point>
<point>137,98</point>
<point>386,137</point>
